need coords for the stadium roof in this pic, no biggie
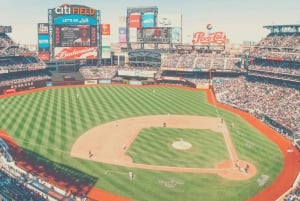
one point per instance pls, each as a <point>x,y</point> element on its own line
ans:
<point>291,28</point>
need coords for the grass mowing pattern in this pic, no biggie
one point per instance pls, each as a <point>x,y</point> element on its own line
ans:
<point>154,146</point>
<point>49,122</point>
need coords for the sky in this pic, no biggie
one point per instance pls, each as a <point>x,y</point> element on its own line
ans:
<point>240,20</point>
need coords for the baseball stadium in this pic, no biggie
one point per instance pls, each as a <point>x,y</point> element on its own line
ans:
<point>148,118</point>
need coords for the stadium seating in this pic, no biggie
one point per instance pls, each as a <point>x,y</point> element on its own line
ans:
<point>278,102</point>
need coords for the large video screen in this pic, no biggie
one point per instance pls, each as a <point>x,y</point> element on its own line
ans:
<point>75,36</point>
<point>153,35</point>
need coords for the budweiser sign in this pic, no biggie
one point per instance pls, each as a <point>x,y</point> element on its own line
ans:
<point>75,53</point>
<point>212,38</point>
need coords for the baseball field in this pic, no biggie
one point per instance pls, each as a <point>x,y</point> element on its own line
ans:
<point>48,124</point>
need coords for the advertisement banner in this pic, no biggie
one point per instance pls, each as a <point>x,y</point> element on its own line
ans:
<point>23,68</point>
<point>176,35</point>
<point>149,46</point>
<point>43,28</point>
<point>168,20</point>
<point>126,73</point>
<point>133,35</point>
<point>148,20</point>
<point>43,41</point>
<point>87,82</point>
<point>45,56</point>
<point>149,74</point>
<point>135,82</point>
<point>3,71</point>
<point>74,20</point>
<point>212,38</point>
<point>135,20</point>
<point>274,58</point>
<point>105,29</point>
<point>122,39</point>
<point>122,30</point>
<point>137,73</point>
<point>122,35</point>
<point>104,81</point>
<point>67,53</point>
<point>49,84</point>
<point>9,91</point>
<point>172,78</point>
<point>202,86</point>
<point>106,52</point>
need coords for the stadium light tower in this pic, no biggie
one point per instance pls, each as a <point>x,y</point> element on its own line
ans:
<point>209,27</point>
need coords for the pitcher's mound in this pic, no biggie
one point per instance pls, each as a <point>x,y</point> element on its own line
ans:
<point>181,145</point>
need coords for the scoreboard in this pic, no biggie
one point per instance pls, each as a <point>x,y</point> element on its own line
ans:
<point>74,32</point>
<point>69,36</point>
<point>153,35</point>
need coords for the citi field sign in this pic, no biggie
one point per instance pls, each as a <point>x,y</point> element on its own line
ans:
<point>68,9</point>
<point>67,14</point>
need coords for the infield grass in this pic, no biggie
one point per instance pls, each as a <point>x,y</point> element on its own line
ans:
<point>47,123</point>
<point>153,146</point>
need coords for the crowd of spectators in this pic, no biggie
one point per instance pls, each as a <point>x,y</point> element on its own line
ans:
<point>12,181</point>
<point>281,40</point>
<point>284,70</point>
<point>14,189</point>
<point>21,63</point>
<point>262,52</point>
<point>20,78</point>
<point>280,46</point>
<point>5,42</point>
<point>16,184</point>
<point>96,72</point>
<point>277,67</point>
<point>279,102</point>
<point>293,195</point>
<point>217,61</point>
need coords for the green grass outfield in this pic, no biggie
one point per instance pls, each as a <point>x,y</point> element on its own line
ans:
<point>48,122</point>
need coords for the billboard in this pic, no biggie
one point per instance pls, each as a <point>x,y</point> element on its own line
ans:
<point>122,35</point>
<point>134,20</point>
<point>70,53</point>
<point>74,14</point>
<point>75,35</point>
<point>74,26</point>
<point>43,28</point>
<point>153,35</point>
<point>45,56</point>
<point>216,38</point>
<point>106,52</point>
<point>176,35</point>
<point>105,29</point>
<point>133,35</point>
<point>148,20</point>
<point>168,20</point>
<point>43,41</point>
